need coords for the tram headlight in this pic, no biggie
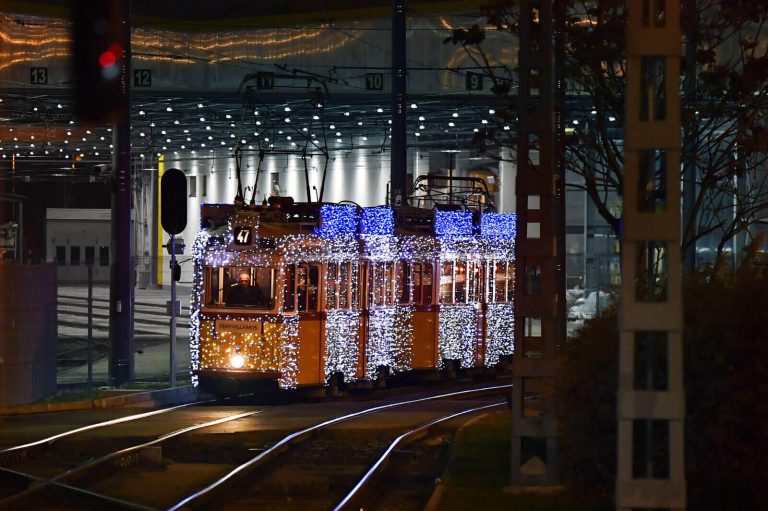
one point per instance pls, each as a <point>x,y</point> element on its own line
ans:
<point>237,361</point>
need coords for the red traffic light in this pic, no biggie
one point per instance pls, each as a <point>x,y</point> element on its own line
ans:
<point>111,56</point>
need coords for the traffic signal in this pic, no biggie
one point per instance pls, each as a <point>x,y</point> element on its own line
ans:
<point>176,272</point>
<point>100,40</point>
<point>173,201</point>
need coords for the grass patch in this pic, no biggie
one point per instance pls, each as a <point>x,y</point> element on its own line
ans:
<point>479,470</point>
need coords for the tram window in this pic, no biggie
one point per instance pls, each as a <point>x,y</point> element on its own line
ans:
<point>241,286</point>
<point>331,288</point>
<point>381,283</point>
<point>460,289</point>
<point>344,278</point>
<point>314,277</point>
<point>426,284</point>
<point>307,277</point>
<point>355,289</point>
<point>337,290</point>
<point>446,283</point>
<point>474,281</point>
<point>403,280</point>
<point>289,291</point>
<point>501,282</point>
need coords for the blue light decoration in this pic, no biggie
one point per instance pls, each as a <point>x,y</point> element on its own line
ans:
<point>453,224</point>
<point>498,225</point>
<point>377,221</point>
<point>337,220</point>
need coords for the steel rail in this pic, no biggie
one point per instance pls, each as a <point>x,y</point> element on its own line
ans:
<point>97,425</point>
<point>302,434</point>
<point>353,498</point>
<point>65,479</point>
<point>7,505</point>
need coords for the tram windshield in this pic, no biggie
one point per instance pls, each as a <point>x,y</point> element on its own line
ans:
<point>240,286</point>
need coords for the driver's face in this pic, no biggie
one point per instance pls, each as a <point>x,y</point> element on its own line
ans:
<point>244,281</point>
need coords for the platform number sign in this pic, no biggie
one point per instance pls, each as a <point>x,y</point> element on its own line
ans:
<point>474,81</point>
<point>142,77</point>
<point>265,80</point>
<point>242,236</point>
<point>374,81</point>
<point>38,75</point>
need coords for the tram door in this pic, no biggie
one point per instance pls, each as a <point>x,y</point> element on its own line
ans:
<point>301,294</point>
<point>425,324</point>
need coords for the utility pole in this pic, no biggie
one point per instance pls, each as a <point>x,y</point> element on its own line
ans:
<point>121,367</point>
<point>650,472</point>
<point>399,159</point>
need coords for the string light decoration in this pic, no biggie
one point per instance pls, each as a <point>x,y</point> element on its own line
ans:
<point>449,224</point>
<point>198,248</point>
<point>341,347</point>
<point>337,220</point>
<point>289,352</point>
<point>377,221</point>
<point>390,339</point>
<point>500,332</point>
<point>457,333</point>
<point>498,225</point>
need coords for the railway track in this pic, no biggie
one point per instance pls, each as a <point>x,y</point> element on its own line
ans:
<point>234,461</point>
<point>317,467</point>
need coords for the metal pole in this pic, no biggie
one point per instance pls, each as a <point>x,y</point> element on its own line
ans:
<point>90,324</point>
<point>399,160</point>
<point>120,283</point>
<point>155,250</point>
<point>173,313</point>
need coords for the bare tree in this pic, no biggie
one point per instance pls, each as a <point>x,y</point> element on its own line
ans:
<point>724,103</point>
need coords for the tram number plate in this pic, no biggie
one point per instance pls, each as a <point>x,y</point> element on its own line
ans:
<point>243,236</point>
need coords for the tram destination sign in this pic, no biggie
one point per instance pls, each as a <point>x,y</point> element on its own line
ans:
<point>238,327</point>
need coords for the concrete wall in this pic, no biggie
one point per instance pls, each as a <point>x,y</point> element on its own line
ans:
<point>28,333</point>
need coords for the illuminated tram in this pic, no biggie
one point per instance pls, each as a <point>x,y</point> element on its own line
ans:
<point>292,294</point>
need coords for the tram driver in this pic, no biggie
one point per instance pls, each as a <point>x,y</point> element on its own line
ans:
<point>244,294</point>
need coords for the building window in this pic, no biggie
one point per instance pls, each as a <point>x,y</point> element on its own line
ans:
<point>650,449</point>
<point>651,366</point>
<point>653,102</point>
<point>90,255</point>
<point>533,230</point>
<point>534,155</point>
<point>534,202</point>
<point>203,186</point>
<point>652,268</point>
<point>532,327</point>
<point>652,196</point>
<point>655,10</point>
<point>103,256</point>
<point>192,186</point>
<point>61,255</point>
<point>532,280</point>
<point>74,256</point>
